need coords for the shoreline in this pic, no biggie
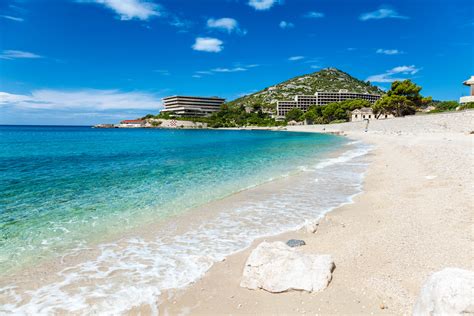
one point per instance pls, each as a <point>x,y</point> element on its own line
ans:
<point>27,279</point>
<point>386,243</point>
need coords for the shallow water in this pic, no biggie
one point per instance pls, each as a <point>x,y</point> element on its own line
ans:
<point>66,189</point>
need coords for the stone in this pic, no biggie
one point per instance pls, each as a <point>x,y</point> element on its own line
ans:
<point>276,267</point>
<point>447,292</point>
<point>295,243</point>
<point>311,226</point>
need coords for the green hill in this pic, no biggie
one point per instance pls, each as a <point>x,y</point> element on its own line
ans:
<point>328,79</point>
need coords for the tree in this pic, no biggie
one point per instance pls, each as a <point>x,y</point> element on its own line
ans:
<point>334,111</point>
<point>295,114</point>
<point>148,116</point>
<point>403,98</point>
<point>394,104</point>
<point>310,116</point>
<point>342,110</point>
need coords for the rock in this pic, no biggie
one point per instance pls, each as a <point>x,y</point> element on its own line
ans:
<point>295,243</point>
<point>276,267</point>
<point>447,292</point>
<point>312,226</point>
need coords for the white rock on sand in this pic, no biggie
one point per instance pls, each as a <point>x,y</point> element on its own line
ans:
<point>275,267</point>
<point>447,292</point>
<point>311,226</point>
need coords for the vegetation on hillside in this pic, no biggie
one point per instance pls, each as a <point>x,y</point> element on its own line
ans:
<point>236,116</point>
<point>329,79</point>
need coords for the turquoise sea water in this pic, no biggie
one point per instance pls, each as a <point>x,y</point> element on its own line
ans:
<point>63,187</point>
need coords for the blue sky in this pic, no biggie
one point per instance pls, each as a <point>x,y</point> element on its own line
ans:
<point>91,61</point>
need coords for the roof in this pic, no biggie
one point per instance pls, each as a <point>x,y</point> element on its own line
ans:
<point>363,110</point>
<point>132,121</point>
<point>469,82</point>
<point>192,97</point>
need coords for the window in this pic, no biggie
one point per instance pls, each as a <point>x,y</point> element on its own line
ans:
<point>386,115</point>
<point>369,116</point>
<point>356,116</point>
<point>363,116</point>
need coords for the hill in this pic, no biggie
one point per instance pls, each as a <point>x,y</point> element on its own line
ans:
<point>328,79</point>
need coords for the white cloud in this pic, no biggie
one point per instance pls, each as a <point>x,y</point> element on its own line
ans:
<point>163,72</point>
<point>81,100</point>
<point>410,70</point>
<point>391,75</point>
<point>313,60</point>
<point>182,24</point>
<point>388,51</point>
<point>130,9</point>
<point>204,72</point>
<point>262,4</point>
<point>18,54</point>
<point>382,13</point>
<point>13,18</point>
<point>208,44</point>
<point>286,25</point>
<point>228,25</point>
<point>315,67</point>
<point>236,69</point>
<point>314,15</point>
<point>295,58</point>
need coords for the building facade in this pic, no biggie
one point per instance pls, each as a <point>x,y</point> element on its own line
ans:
<point>132,123</point>
<point>470,97</point>
<point>303,102</point>
<point>188,106</point>
<point>367,114</point>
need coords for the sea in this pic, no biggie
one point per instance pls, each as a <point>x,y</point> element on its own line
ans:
<point>104,220</point>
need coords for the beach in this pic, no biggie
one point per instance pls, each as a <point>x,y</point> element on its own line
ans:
<point>394,204</point>
<point>414,217</point>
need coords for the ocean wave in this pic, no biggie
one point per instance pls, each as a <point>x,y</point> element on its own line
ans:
<point>349,155</point>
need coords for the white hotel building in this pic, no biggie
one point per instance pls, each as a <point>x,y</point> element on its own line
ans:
<point>303,102</point>
<point>188,106</point>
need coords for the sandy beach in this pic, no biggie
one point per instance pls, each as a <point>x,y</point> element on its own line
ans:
<point>415,217</point>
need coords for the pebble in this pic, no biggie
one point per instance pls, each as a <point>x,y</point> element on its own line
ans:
<point>295,243</point>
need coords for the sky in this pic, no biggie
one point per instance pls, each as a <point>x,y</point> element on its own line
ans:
<point>83,62</point>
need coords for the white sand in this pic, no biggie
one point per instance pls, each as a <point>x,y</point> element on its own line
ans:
<point>415,217</point>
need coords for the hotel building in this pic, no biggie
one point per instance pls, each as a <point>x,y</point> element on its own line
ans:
<point>187,106</point>
<point>303,102</point>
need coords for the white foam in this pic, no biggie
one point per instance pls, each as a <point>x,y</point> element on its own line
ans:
<point>347,156</point>
<point>134,271</point>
